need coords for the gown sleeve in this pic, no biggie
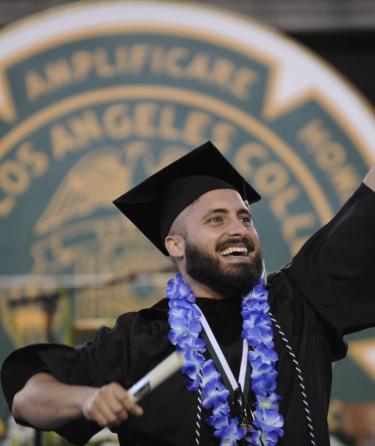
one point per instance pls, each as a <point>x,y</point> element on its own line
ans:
<point>112,356</point>
<point>335,269</point>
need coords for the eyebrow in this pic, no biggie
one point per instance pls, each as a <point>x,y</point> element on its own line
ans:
<point>225,211</point>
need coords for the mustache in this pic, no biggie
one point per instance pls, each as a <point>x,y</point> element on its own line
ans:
<point>243,241</point>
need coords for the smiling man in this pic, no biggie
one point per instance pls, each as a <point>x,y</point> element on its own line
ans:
<point>258,350</point>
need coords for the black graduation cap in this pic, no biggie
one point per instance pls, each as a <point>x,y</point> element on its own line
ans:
<point>154,204</point>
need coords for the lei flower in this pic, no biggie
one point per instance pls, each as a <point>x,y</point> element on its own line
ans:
<point>184,320</point>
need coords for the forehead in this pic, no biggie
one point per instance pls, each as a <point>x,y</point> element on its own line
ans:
<point>227,199</point>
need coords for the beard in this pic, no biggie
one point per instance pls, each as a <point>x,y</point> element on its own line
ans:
<point>238,278</point>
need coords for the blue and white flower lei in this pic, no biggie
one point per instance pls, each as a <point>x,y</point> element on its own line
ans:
<point>267,425</point>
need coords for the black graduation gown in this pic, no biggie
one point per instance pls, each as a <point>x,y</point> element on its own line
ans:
<point>323,294</point>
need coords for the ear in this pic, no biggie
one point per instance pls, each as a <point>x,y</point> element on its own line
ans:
<point>175,245</point>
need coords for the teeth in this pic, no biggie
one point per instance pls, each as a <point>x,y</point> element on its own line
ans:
<point>232,249</point>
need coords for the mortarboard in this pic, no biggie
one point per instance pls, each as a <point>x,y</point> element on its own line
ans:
<point>154,204</point>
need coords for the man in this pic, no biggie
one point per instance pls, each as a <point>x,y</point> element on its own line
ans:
<point>257,357</point>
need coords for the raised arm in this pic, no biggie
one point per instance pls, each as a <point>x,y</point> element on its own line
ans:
<point>48,404</point>
<point>334,270</point>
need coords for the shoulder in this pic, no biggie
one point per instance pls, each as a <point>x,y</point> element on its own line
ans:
<point>147,318</point>
<point>156,314</point>
<point>132,331</point>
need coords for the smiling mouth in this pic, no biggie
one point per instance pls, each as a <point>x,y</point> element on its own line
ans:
<point>234,251</point>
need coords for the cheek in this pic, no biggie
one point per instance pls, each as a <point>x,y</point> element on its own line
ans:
<point>199,236</point>
<point>253,234</point>
<point>207,244</point>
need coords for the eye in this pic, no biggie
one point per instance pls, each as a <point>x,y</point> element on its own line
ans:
<point>215,220</point>
<point>247,219</point>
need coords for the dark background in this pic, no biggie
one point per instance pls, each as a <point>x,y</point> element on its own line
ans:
<point>351,52</point>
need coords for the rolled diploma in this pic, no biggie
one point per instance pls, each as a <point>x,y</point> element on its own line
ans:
<point>160,373</point>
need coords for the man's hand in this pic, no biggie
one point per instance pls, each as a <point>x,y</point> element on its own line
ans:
<point>110,405</point>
